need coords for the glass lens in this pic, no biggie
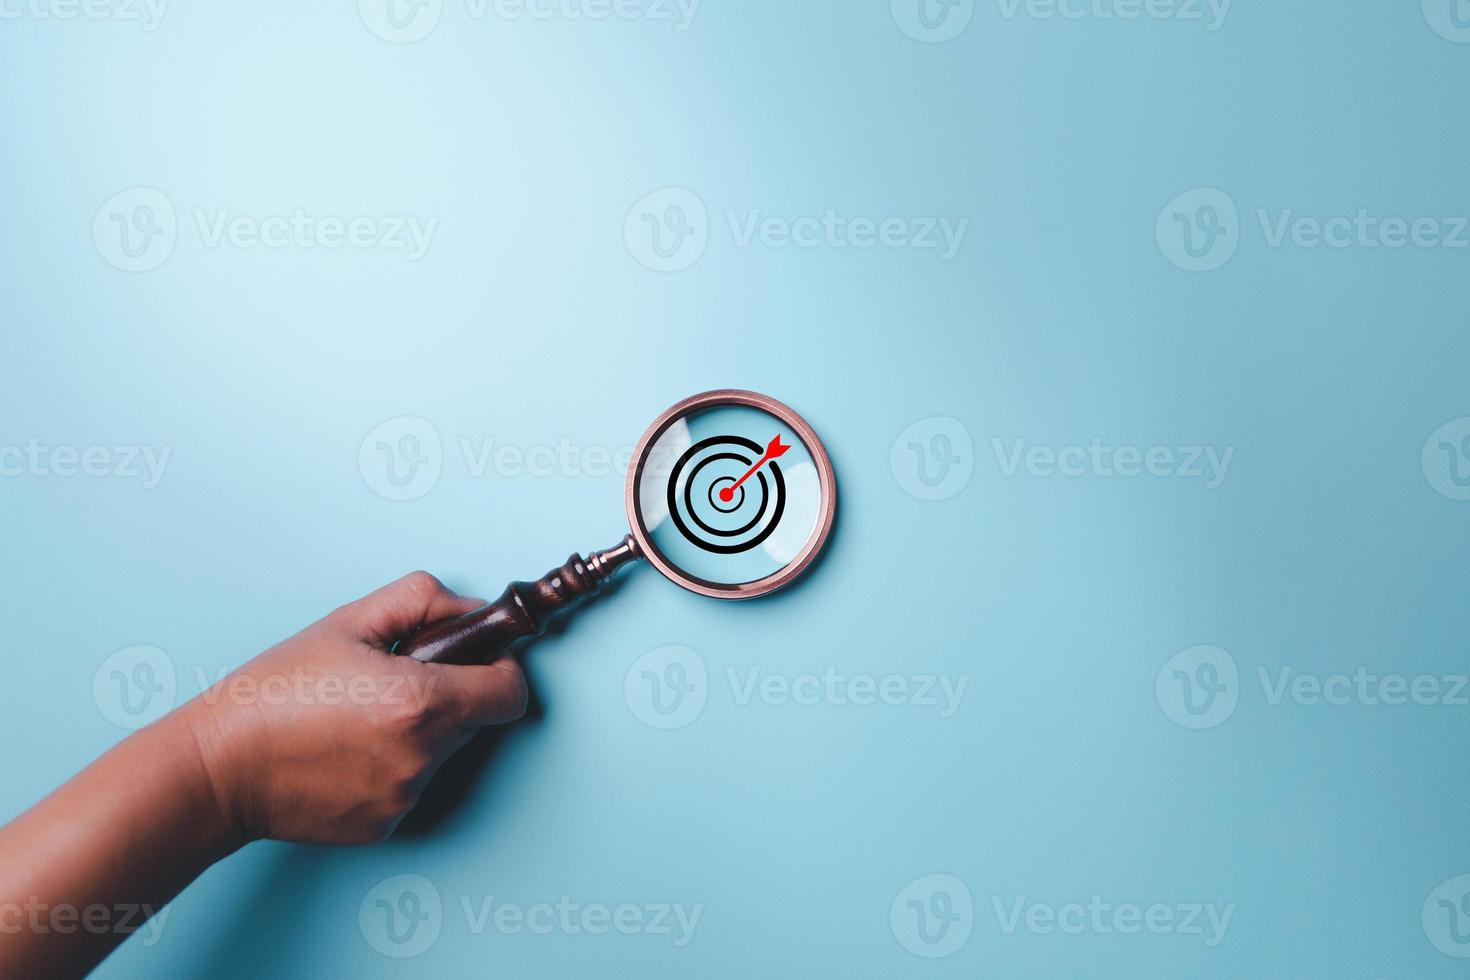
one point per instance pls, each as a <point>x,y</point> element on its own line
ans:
<point>729,494</point>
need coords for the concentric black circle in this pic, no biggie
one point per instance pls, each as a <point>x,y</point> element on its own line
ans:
<point>735,504</point>
<point>774,500</point>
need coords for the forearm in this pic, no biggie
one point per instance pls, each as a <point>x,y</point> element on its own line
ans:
<point>88,865</point>
<point>325,738</point>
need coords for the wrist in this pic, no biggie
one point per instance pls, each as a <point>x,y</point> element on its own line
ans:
<point>217,761</point>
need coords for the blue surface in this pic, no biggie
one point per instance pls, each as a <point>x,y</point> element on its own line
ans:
<point>1074,153</point>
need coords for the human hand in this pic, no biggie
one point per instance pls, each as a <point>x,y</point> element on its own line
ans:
<point>327,738</point>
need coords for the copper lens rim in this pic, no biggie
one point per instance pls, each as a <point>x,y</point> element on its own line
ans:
<point>825,476</point>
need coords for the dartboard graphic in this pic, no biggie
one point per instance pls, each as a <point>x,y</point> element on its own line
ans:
<point>726,494</point>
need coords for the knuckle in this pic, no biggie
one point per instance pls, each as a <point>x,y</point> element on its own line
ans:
<point>409,711</point>
<point>422,584</point>
<point>418,712</point>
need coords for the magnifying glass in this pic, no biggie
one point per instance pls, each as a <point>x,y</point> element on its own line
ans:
<point>730,494</point>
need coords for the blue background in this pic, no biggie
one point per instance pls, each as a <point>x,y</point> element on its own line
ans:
<point>530,321</point>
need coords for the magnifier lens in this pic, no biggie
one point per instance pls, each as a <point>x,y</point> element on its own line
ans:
<point>729,495</point>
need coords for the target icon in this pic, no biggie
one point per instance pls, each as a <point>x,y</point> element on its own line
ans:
<point>726,494</point>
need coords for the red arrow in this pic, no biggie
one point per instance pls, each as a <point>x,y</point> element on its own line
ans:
<point>773,450</point>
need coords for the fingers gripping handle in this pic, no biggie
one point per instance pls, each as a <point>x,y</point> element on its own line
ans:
<point>523,609</point>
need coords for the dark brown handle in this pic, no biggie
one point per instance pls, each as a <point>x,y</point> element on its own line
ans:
<point>523,609</point>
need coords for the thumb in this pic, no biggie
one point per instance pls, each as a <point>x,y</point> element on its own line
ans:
<point>480,695</point>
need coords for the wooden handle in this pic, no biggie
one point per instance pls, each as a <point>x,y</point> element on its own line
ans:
<point>523,609</point>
